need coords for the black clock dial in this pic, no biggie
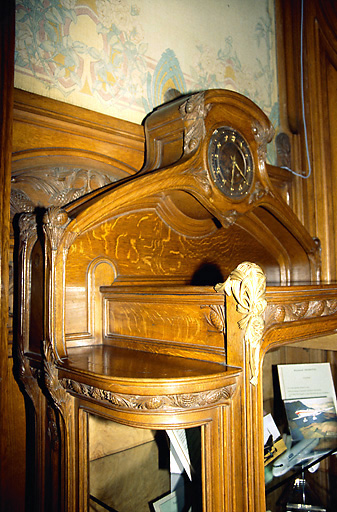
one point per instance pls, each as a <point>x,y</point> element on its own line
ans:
<point>230,162</point>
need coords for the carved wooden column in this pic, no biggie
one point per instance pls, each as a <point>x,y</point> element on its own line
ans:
<point>27,375</point>
<point>246,303</point>
<point>65,405</point>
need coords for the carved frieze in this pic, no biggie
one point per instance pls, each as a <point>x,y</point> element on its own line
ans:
<point>278,313</point>
<point>55,186</point>
<point>184,401</point>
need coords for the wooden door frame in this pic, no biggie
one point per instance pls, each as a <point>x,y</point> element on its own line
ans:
<point>7,36</point>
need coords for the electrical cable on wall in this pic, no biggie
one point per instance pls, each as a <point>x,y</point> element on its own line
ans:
<point>303,108</point>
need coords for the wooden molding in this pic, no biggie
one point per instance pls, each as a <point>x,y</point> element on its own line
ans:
<point>314,199</point>
<point>59,129</point>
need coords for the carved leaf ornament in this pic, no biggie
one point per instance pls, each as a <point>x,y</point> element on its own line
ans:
<point>247,284</point>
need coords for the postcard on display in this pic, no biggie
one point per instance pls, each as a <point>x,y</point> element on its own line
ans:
<point>309,398</point>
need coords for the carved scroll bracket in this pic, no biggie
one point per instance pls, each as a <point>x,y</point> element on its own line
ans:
<point>247,284</point>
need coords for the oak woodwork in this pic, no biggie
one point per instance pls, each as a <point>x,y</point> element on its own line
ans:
<point>62,152</point>
<point>70,132</point>
<point>314,198</point>
<point>121,286</point>
<point>11,486</point>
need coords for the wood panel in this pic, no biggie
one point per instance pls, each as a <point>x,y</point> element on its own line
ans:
<point>157,362</point>
<point>43,126</point>
<point>67,138</point>
<point>314,198</point>
<point>59,153</point>
<point>11,487</point>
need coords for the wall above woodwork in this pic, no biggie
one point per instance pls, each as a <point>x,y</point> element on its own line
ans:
<point>125,58</point>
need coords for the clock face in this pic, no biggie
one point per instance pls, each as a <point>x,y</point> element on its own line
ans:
<point>230,162</point>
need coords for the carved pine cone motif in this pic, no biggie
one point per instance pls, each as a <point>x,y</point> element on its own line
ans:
<point>216,317</point>
<point>151,403</point>
<point>299,310</point>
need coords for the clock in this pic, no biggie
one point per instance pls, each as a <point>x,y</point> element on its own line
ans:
<point>230,162</point>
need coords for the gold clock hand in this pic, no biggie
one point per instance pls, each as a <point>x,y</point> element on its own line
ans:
<point>238,168</point>
<point>232,178</point>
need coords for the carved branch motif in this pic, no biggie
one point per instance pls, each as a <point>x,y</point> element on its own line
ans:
<point>262,137</point>
<point>27,375</point>
<point>194,112</point>
<point>278,313</point>
<point>52,428</point>
<point>230,217</point>
<point>55,186</point>
<point>247,284</point>
<point>57,392</point>
<point>216,317</point>
<point>283,150</point>
<point>202,176</point>
<point>258,192</point>
<point>55,221</point>
<point>24,373</point>
<point>27,227</point>
<point>152,403</point>
<point>20,202</point>
<point>55,389</point>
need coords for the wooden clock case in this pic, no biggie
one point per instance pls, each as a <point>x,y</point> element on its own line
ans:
<point>120,315</point>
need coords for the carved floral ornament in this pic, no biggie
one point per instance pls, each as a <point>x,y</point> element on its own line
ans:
<point>56,390</point>
<point>247,284</point>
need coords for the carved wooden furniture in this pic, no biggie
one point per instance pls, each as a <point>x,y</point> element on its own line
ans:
<point>147,311</point>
